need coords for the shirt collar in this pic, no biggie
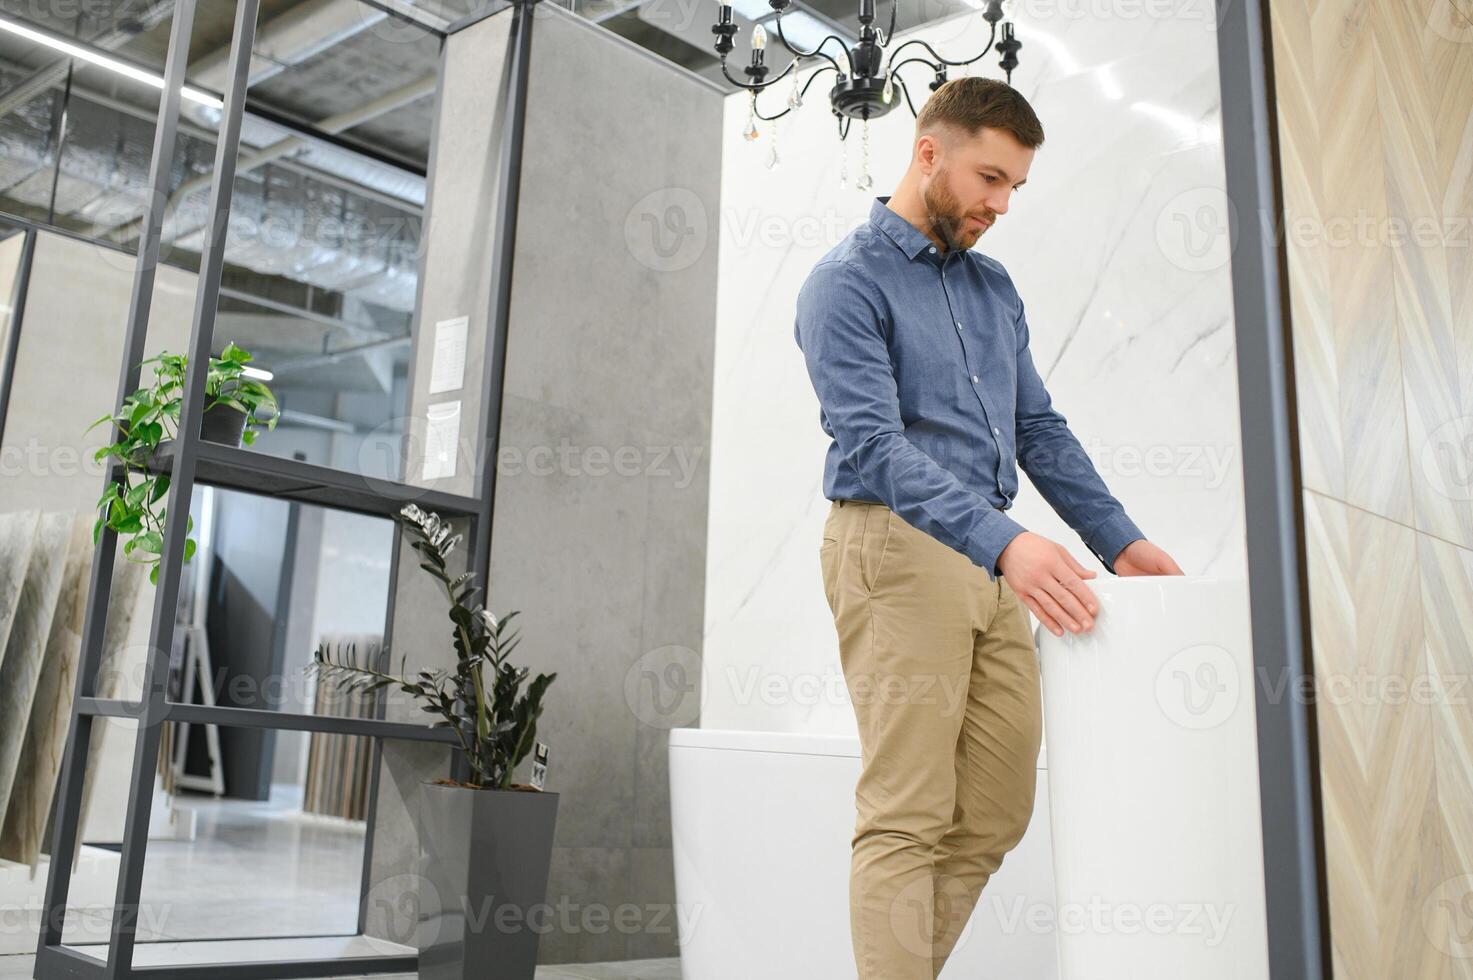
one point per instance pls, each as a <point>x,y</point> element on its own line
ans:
<point>904,234</point>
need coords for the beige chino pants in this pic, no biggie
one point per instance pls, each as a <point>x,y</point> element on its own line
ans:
<point>940,665</point>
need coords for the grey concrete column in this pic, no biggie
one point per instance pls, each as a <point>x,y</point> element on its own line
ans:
<point>599,528</point>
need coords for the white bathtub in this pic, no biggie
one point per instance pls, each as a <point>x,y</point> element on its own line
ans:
<point>762,822</point>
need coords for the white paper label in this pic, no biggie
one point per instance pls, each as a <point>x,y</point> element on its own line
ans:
<point>442,439</point>
<point>447,365</point>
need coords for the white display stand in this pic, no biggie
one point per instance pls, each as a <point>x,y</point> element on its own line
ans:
<point>1153,778</point>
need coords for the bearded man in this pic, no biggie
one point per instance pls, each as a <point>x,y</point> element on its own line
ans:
<point>917,347</point>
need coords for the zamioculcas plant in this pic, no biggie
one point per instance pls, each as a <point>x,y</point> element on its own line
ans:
<point>150,417</point>
<point>479,699</point>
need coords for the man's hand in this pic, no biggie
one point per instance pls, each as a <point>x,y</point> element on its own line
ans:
<point>1141,557</point>
<point>1050,583</point>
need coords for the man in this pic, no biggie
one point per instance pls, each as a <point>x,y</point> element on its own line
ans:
<point>918,351</point>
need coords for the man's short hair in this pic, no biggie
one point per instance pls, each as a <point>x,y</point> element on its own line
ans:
<point>971,103</point>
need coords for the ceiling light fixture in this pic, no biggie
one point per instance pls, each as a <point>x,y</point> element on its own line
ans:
<point>865,83</point>
<point>72,49</point>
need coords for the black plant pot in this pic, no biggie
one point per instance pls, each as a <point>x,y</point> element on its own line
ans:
<point>484,857</point>
<point>222,424</point>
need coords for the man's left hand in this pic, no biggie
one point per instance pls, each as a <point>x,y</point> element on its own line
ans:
<point>1141,557</point>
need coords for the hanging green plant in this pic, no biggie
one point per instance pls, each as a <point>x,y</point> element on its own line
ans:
<point>150,417</point>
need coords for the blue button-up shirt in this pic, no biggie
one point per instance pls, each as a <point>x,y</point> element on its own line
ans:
<point>920,360</point>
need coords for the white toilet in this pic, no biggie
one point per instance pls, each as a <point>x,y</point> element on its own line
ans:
<point>762,823</point>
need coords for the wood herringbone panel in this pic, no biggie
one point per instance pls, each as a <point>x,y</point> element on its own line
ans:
<point>1382,826</point>
<point>1447,585</point>
<point>1439,397</point>
<point>1375,104</point>
<point>1316,362</point>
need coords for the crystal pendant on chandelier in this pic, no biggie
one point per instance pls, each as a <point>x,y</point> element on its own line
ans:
<point>751,132</point>
<point>795,97</point>
<point>888,92</point>
<point>865,181</point>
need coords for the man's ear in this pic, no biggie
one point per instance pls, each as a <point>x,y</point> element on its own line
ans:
<point>928,151</point>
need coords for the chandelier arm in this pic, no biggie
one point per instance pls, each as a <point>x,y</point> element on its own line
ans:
<point>935,54</point>
<point>753,86</point>
<point>887,35</point>
<point>818,50</point>
<point>895,72</point>
<point>801,92</point>
<point>838,70</point>
<point>906,89</point>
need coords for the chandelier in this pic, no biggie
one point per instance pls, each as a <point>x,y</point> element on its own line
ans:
<point>865,79</point>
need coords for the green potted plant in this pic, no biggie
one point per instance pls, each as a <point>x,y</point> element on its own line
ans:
<point>485,842</point>
<point>237,406</point>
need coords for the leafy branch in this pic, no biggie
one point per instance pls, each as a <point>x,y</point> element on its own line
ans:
<point>481,698</point>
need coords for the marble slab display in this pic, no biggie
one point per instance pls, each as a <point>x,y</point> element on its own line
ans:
<point>40,759</point>
<point>17,538</point>
<point>25,646</point>
<point>1117,246</point>
<point>110,758</point>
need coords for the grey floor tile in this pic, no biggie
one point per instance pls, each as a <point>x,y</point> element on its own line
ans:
<point>20,967</point>
<point>302,876</point>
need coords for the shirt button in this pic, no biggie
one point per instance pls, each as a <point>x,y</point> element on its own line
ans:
<point>995,430</point>
<point>958,324</point>
<point>974,379</point>
<point>933,249</point>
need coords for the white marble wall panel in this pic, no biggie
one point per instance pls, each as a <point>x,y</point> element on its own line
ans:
<point>1118,247</point>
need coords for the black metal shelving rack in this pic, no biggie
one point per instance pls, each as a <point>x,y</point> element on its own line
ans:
<point>189,461</point>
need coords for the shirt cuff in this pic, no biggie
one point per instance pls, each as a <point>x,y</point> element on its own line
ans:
<point>992,534</point>
<point>1110,538</point>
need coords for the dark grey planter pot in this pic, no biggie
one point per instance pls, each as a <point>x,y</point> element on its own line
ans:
<point>222,424</point>
<point>484,857</point>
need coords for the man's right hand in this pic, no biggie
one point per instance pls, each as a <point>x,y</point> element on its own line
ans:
<point>1050,583</point>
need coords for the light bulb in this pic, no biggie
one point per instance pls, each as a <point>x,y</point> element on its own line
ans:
<point>759,38</point>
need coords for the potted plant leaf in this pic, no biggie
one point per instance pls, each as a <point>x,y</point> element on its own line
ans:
<point>485,842</point>
<point>237,406</point>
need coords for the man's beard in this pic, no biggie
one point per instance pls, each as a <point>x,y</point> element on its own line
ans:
<point>945,214</point>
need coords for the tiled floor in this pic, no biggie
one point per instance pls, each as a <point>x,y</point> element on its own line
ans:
<point>19,968</point>
<point>253,869</point>
<point>302,876</point>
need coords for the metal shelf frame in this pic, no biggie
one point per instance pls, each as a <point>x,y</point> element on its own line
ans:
<point>188,461</point>
<point>247,471</point>
<point>17,308</point>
